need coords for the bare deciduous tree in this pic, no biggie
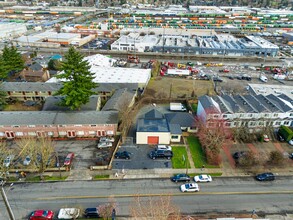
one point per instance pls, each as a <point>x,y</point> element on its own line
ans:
<point>157,208</point>
<point>40,151</point>
<point>276,158</point>
<point>107,210</point>
<point>4,153</point>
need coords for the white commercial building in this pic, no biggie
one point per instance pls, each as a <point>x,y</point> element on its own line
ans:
<point>11,30</point>
<point>104,73</point>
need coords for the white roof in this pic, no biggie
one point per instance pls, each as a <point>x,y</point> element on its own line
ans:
<point>100,66</point>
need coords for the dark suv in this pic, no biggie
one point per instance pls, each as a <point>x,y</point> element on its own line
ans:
<point>180,178</point>
<point>161,154</point>
<point>91,213</point>
<point>265,177</point>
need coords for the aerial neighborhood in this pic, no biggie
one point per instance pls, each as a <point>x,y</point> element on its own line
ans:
<point>146,95</point>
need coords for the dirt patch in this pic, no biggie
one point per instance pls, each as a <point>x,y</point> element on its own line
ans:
<point>167,87</point>
<point>20,107</point>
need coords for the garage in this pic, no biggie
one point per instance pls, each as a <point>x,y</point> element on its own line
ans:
<point>153,140</point>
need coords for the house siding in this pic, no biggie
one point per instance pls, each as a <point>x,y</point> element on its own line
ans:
<point>142,137</point>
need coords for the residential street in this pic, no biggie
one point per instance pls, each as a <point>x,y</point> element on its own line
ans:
<point>233,195</point>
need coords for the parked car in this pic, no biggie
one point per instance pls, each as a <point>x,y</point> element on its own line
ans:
<point>265,177</point>
<point>291,156</point>
<point>280,137</point>
<point>182,177</point>
<point>91,213</point>
<point>266,138</point>
<point>161,154</point>
<point>68,159</point>
<point>27,161</point>
<point>217,79</point>
<point>290,142</point>
<point>203,178</point>
<point>163,147</point>
<point>68,213</point>
<point>122,155</point>
<point>104,144</point>
<point>8,160</point>
<point>189,187</point>
<point>106,139</point>
<point>41,215</point>
<point>239,154</point>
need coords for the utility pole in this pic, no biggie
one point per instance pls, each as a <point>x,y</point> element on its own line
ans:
<point>8,207</point>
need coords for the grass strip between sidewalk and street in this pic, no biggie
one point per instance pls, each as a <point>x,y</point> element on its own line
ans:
<point>197,153</point>
<point>179,158</point>
<point>100,177</point>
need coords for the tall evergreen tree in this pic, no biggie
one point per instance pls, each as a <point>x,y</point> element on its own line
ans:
<point>11,60</point>
<point>3,95</point>
<point>78,80</point>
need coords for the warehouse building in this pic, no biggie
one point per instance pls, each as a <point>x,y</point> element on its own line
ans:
<point>11,30</point>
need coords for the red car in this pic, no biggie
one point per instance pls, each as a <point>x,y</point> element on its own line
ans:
<point>68,159</point>
<point>42,215</point>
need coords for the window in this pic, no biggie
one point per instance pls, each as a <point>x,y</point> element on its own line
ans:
<point>276,115</point>
<point>50,133</point>
<point>225,116</point>
<point>92,133</point>
<point>227,124</point>
<point>241,115</point>
<point>260,123</point>
<point>286,122</point>
<point>267,115</point>
<point>18,133</point>
<point>93,125</point>
<point>61,126</point>
<point>250,115</point>
<point>32,133</point>
<point>291,114</point>
<point>31,126</point>
<point>216,116</point>
<point>15,126</point>
<point>277,123</point>
<point>77,125</point>
<point>174,137</point>
<point>252,123</point>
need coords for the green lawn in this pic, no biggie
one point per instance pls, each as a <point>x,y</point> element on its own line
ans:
<point>194,107</point>
<point>46,178</point>
<point>98,177</point>
<point>177,159</point>
<point>197,153</point>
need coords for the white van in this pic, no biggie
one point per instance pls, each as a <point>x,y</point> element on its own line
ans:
<point>263,78</point>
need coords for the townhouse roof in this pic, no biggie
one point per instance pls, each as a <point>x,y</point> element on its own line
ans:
<point>183,119</point>
<point>119,101</point>
<point>232,104</point>
<point>152,125</point>
<point>208,103</point>
<point>268,103</point>
<point>52,104</point>
<point>30,86</point>
<point>285,107</point>
<point>244,104</point>
<point>36,67</point>
<point>224,106</point>
<point>40,86</point>
<point>58,118</point>
<point>255,103</point>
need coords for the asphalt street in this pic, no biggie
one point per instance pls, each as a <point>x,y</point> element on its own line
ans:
<point>235,195</point>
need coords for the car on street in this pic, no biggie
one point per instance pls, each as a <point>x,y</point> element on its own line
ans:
<point>91,213</point>
<point>7,161</point>
<point>189,187</point>
<point>266,138</point>
<point>106,139</point>
<point>182,177</point>
<point>265,177</point>
<point>105,144</point>
<point>163,147</point>
<point>41,215</point>
<point>122,155</point>
<point>68,159</point>
<point>237,155</point>
<point>203,178</point>
<point>161,154</point>
<point>27,161</point>
<point>68,213</point>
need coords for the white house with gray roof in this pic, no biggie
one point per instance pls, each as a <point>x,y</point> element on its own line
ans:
<point>247,110</point>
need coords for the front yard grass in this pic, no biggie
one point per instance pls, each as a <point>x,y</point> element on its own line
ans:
<point>99,177</point>
<point>197,153</point>
<point>178,159</point>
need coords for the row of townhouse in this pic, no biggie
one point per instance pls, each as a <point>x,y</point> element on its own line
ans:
<point>18,124</point>
<point>39,91</point>
<point>252,111</point>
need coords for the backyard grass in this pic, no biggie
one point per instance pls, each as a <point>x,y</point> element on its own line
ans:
<point>194,107</point>
<point>197,153</point>
<point>177,159</point>
<point>98,177</point>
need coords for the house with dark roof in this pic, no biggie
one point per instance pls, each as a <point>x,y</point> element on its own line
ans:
<point>252,111</point>
<point>120,100</point>
<point>35,73</point>
<point>157,128</point>
<point>52,104</point>
<point>18,124</point>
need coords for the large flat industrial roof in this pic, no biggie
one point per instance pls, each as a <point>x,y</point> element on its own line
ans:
<point>272,89</point>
